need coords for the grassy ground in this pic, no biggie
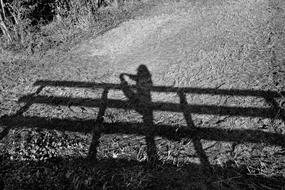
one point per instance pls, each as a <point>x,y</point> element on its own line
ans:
<point>225,58</point>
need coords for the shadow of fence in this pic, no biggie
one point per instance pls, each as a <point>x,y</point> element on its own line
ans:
<point>98,126</point>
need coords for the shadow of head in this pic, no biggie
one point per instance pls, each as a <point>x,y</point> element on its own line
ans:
<point>144,82</point>
<point>143,72</point>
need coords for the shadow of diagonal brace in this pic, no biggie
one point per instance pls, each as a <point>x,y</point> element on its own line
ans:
<point>29,103</point>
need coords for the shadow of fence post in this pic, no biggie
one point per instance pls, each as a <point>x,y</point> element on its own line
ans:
<point>149,138</point>
<point>196,140</point>
<point>97,128</point>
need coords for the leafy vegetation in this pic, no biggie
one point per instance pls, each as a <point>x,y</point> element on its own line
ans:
<point>36,25</point>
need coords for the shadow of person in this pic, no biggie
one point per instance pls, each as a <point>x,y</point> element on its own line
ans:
<point>140,98</point>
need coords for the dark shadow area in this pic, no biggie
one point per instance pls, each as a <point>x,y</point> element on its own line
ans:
<point>117,173</point>
<point>172,132</point>
<point>139,99</point>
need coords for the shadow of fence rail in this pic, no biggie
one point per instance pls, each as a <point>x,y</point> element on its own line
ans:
<point>98,126</point>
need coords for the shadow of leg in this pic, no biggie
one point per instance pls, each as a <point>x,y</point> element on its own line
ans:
<point>151,146</point>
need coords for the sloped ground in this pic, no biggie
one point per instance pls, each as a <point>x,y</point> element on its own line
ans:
<point>223,58</point>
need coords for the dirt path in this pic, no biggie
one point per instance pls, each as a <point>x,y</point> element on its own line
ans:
<point>198,44</point>
<point>185,44</point>
<point>221,44</point>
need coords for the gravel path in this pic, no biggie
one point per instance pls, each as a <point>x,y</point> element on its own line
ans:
<point>221,44</point>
